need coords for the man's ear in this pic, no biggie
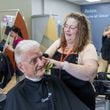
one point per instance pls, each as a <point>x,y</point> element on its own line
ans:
<point>20,67</point>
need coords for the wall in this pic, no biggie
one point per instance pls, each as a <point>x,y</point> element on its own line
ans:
<point>54,7</point>
<point>99,15</point>
<point>41,9</point>
<point>24,6</point>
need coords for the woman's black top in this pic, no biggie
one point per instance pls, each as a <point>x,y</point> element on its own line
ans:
<point>83,89</point>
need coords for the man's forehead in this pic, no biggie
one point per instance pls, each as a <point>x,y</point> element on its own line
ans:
<point>35,52</point>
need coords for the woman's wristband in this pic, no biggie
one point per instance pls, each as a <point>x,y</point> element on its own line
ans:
<point>45,55</point>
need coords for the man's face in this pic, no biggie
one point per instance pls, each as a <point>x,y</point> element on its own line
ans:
<point>33,64</point>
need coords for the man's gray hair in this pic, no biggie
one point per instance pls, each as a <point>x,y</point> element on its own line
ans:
<point>24,46</point>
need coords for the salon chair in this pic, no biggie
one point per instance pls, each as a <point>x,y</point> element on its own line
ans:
<point>102,85</point>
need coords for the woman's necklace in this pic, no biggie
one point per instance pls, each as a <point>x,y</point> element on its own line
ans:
<point>68,52</point>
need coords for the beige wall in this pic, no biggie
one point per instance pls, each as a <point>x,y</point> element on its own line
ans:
<point>24,6</point>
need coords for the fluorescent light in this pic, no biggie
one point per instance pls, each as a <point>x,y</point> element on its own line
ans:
<point>93,0</point>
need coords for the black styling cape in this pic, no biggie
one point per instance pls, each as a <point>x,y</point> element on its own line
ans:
<point>46,94</point>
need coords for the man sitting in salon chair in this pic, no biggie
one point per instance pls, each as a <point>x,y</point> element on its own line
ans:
<point>38,91</point>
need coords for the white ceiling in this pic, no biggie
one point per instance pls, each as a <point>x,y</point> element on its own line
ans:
<point>83,2</point>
